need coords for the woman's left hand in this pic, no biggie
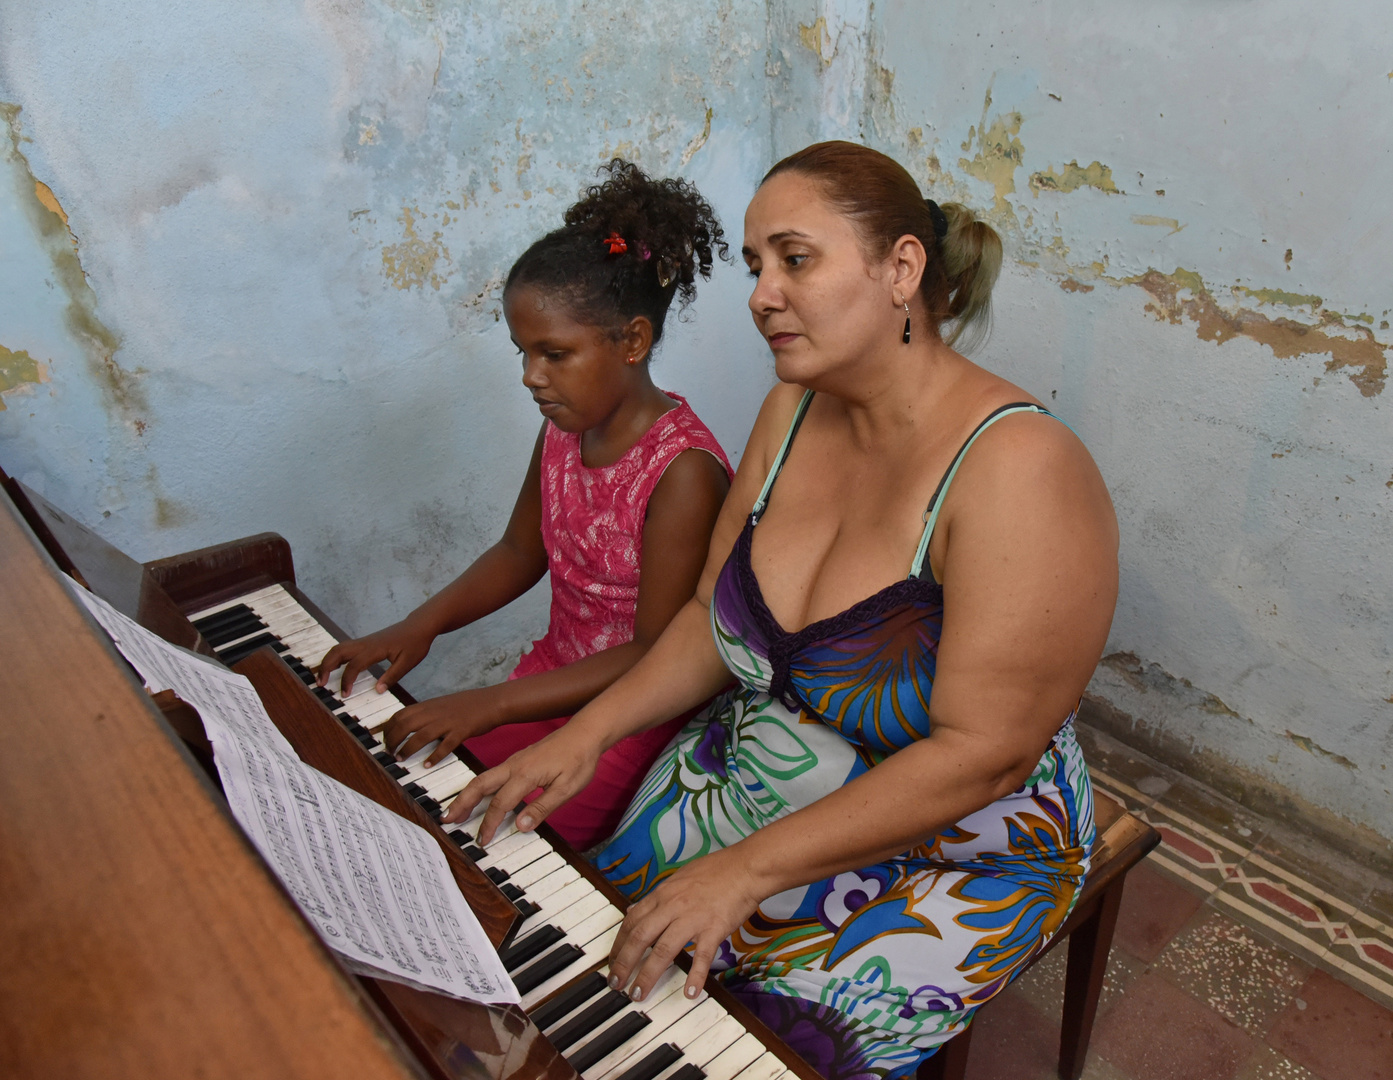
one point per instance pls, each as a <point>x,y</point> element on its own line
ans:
<point>701,903</point>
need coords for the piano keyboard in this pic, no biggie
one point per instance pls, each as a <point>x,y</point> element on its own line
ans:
<point>556,954</point>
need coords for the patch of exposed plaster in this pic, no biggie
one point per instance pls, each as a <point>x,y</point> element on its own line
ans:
<point>999,154</point>
<point>698,142</point>
<point>412,262</point>
<point>120,388</point>
<point>18,368</point>
<point>817,40</point>
<point>1163,222</point>
<point>1349,347</point>
<point>1074,176</point>
<point>1313,747</point>
<point>1183,295</point>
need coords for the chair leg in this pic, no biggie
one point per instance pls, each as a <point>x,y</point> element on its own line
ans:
<point>1089,945</point>
<point>950,1063</point>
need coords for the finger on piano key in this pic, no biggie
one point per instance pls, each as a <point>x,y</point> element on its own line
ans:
<point>592,953</point>
<point>731,1061</point>
<point>671,1023</point>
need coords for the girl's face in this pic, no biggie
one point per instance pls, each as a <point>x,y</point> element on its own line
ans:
<point>817,302</point>
<point>578,373</point>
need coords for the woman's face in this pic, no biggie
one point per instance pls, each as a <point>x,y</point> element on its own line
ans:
<point>817,302</point>
<point>576,372</point>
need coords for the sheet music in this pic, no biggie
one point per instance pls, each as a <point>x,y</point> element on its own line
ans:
<point>375,886</point>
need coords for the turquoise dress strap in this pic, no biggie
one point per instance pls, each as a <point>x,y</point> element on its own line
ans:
<point>916,568</point>
<point>777,467</point>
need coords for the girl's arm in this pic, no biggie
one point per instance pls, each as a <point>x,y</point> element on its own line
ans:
<point>496,578</point>
<point>681,514</point>
<point>681,670</point>
<point>1029,574</point>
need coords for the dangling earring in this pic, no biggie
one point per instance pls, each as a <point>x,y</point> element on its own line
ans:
<point>905,337</point>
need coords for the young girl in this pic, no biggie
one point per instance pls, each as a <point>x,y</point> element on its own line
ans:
<point>619,500</point>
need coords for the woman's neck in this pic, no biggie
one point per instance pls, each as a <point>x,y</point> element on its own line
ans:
<point>886,397</point>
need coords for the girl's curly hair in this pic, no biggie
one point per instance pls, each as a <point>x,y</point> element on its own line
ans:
<point>670,235</point>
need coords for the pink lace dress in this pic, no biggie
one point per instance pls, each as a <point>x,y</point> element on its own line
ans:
<point>592,526</point>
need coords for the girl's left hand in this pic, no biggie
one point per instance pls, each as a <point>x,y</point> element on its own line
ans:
<point>451,719</point>
<point>701,903</point>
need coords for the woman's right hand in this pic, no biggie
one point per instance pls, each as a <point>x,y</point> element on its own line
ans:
<point>403,644</point>
<point>560,764</point>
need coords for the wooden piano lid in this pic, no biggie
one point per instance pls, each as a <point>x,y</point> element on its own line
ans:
<point>141,936</point>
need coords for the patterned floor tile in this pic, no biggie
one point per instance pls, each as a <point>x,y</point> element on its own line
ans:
<point>1343,879</point>
<point>1154,908</point>
<point>1012,1040</point>
<point>1043,984</point>
<point>1159,1032</point>
<point>1241,977</point>
<point>1219,815</point>
<point>1336,1032</point>
<point>1267,1064</point>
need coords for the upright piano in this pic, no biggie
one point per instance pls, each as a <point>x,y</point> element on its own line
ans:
<point>141,934</point>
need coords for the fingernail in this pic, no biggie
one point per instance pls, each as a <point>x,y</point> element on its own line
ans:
<point>613,981</point>
<point>524,823</point>
<point>636,994</point>
<point>693,991</point>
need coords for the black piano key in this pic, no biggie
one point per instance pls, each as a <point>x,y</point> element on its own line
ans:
<point>496,874</point>
<point>688,1072</point>
<point>610,1003</point>
<point>553,963</point>
<point>475,852</point>
<point>430,806</point>
<point>367,738</point>
<point>413,789</point>
<point>570,999</point>
<point>608,1040</point>
<point>525,950</point>
<point>240,652</point>
<point>233,630</point>
<point>219,618</point>
<point>654,1063</point>
<point>512,892</point>
<point>526,908</point>
<point>335,705</point>
<point>396,772</point>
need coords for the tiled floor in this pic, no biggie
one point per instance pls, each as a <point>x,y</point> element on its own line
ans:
<point>1243,951</point>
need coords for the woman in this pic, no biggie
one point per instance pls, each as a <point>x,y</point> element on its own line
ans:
<point>889,815</point>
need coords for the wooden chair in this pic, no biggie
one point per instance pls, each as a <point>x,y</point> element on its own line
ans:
<point>1123,841</point>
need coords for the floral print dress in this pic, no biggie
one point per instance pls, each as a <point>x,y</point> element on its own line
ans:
<point>868,972</point>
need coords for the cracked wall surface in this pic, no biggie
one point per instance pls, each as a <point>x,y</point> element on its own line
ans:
<point>252,260</point>
<point>1197,280</point>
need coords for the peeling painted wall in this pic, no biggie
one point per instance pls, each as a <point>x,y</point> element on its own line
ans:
<point>251,257</point>
<point>1193,198</point>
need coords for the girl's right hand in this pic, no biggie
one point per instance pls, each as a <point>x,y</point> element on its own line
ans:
<point>403,644</point>
<point>560,764</point>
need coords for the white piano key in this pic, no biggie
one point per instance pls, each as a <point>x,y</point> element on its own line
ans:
<point>534,872</point>
<point>768,1066</point>
<point>714,1040</point>
<point>594,952</point>
<point>552,883</point>
<point>499,851</point>
<point>733,1059</point>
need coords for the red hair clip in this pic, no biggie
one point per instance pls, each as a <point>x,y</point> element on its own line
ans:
<point>617,244</point>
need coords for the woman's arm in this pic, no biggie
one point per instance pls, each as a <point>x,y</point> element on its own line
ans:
<point>681,514</point>
<point>1029,570</point>
<point>681,670</point>
<point>496,578</point>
